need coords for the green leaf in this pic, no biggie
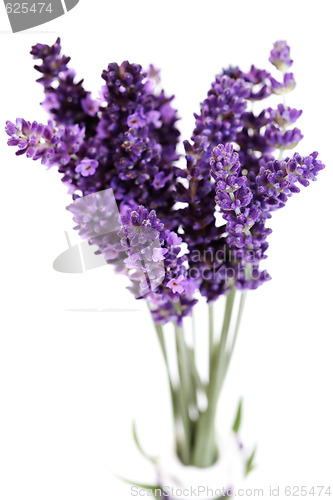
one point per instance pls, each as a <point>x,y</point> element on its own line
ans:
<point>249,463</point>
<point>238,418</point>
<point>138,444</point>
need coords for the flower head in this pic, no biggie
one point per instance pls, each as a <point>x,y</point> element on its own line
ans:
<point>86,167</point>
<point>176,284</point>
<point>280,55</point>
<point>246,206</point>
<point>136,120</point>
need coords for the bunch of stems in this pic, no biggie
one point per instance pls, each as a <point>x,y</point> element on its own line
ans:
<point>195,430</point>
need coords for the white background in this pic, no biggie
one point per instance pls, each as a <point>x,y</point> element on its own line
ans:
<point>71,382</point>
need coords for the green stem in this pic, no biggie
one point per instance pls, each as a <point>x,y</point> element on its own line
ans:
<point>230,353</point>
<point>174,391</point>
<point>197,383</point>
<point>205,452</point>
<point>238,322</point>
<point>211,337</point>
<point>160,336</point>
<point>185,392</point>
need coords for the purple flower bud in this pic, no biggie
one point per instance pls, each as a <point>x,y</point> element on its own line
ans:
<point>280,55</point>
<point>89,105</point>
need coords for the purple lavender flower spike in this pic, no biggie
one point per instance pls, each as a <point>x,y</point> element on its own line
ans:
<point>219,120</point>
<point>246,210</point>
<point>131,133</point>
<point>127,142</point>
<point>139,246</point>
<point>167,302</point>
<point>276,180</point>
<point>53,62</point>
<point>45,142</point>
<point>66,100</point>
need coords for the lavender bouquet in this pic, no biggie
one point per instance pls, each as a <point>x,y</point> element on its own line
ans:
<point>180,232</point>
